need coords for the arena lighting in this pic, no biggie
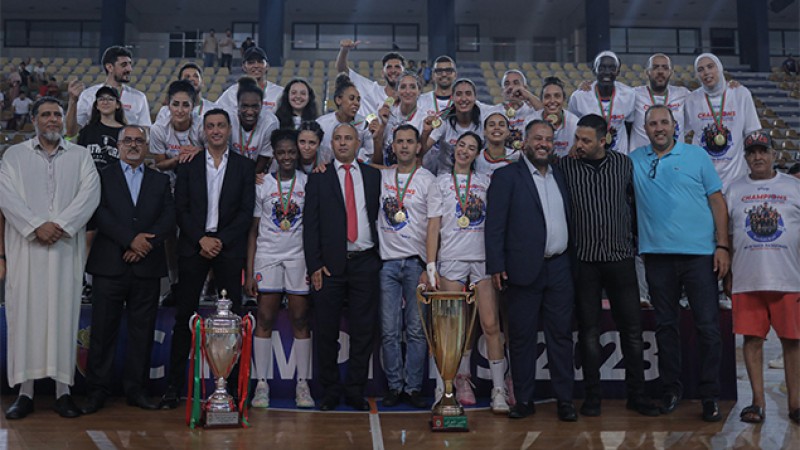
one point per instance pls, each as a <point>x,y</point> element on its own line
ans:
<point>779,5</point>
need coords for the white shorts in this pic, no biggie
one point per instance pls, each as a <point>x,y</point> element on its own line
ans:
<point>284,276</point>
<point>460,270</point>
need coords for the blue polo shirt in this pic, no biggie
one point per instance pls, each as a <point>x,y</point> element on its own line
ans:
<point>672,200</point>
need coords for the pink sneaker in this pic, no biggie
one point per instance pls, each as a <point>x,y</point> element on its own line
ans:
<point>510,391</point>
<point>464,393</point>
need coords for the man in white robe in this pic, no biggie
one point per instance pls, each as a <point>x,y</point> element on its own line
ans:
<point>49,189</point>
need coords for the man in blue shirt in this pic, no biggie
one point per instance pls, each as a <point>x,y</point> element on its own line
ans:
<point>683,237</point>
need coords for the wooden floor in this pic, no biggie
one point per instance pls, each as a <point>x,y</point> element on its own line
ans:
<point>121,427</point>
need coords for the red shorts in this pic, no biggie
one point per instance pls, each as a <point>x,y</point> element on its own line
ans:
<point>754,312</point>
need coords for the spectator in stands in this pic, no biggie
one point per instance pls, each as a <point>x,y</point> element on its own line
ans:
<point>22,107</point>
<point>100,134</point>
<point>424,72</point>
<point>118,64</point>
<point>210,49</point>
<point>765,275</point>
<point>226,47</point>
<point>50,88</point>
<point>689,250</point>
<point>309,137</point>
<point>256,66</point>
<point>24,76</point>
<point>39,72</point>
<point>790,65</point>
<point>13,85</point>
<point>347,99</point>
<point>192,73</point>
<point>297,104</point>
<point>246,45</point>
<point>373,94</point>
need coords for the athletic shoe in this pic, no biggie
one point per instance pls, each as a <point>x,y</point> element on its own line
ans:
<point>510,391</point>
<point>499,403</point>
<point>303,395</point>
<point>261,396</point>
<point>464,393</point>
<point>776,363</point>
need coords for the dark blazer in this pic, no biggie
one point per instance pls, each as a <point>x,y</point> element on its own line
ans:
<point>118,221</point>
<point>236,202</point>
<point>325,218</point>
<point>515,225</point>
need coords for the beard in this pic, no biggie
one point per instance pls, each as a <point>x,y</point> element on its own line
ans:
<point>49,136</point>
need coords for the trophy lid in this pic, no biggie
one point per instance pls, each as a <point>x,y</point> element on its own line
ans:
<point>223,317</point>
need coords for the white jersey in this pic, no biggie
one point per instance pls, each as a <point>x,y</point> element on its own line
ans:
<point>564,137</point>
<point>486,165</point>
<point>406,238</point>
<point>373,95</point>
<point>165,140</point>
<point>253,143</point>
<point>197,113</point>
<point>462,244</point>
<point>738,120</point>
<point>328,123</point>
<point>397,118</point>
<point>134,104</point>
<point>582,103</point>
<point>272,93</point>
<point>765,223</point>
<point>428,104</point>
<point>447,136</point>
<point>276,207</point>
<point>675,100</point>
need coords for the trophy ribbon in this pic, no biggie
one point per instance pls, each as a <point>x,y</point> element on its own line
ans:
<point>193,403</point>
<point>244,367</point>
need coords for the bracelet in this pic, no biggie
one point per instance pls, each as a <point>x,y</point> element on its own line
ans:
<point>724,247</point>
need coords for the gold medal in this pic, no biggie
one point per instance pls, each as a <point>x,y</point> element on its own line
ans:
<point>517,145</point>
<point>609,138</point>
<point>511,112</point>
<point>371,117</point>
<point>552,118</point>
<point>399,217</point>
<point>720,140</point>
<point>437,122</point>
<point>389,101</point>
<point>463,222</point>
<point>285,224</point>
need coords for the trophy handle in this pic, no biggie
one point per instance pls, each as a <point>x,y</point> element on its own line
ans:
<point>420,300</point>
<point>471,294</point>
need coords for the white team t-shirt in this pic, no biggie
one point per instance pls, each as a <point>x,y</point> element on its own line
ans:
<point>165,140</point>
<point>764,221</point>
<point>675,100</point>
<point>397,118</point>
<point>274,244</point>
<point>486,165</point>
<point>447,136</point>
<point>462,244</point>
<point>406,238</point>
<point>272,93</point>
<point>738,120</point>
<point>207,105</point>
<point>582,103</point>
<point>253,143</point>
<point>328,123</point>
<point>134,103</point>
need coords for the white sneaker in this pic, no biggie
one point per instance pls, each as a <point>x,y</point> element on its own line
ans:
<point>303,395</point>
<point>261,395</point>
<point>776,363</point>
<point>464,392</point>
<point>499,403</point>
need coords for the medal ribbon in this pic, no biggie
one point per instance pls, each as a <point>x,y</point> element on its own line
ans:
<point>285,203</point>
<point>653,99</point>
<point>488,157</point>
<point>717,120</point>
<point>249,138</point>
<point>410,115</point>
<point>610,106</point>
<point>462,199</point>
<point>401,193</point>
<point>436,105</point>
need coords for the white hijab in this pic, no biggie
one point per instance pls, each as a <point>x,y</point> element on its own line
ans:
<point>718,88</point>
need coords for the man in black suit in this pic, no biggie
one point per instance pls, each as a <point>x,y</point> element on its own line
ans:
<point>214,199</point>
<point>341,249</point>
<point>528,254</point>
<point>127,260</point>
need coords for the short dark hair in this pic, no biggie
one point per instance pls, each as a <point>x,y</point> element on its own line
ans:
<point>473,134</point>
<point>406,127</point>
<point>182,86</point>
<point>595,122</point>
<point>535,122</point>
<point>190,65</point>
<point>42,100</point>
<point>655,107</point>
<point>112,53</point>
<point>393,55</point>
<point>444,58</point>
<point>283,134</point>
<point>794,169</point>
<point>248,84</point>
<point>553,81</point>
<point>217,112</point>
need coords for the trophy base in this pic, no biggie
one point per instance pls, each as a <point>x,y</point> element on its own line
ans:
<point>449,423</point>
<point>221,419</point>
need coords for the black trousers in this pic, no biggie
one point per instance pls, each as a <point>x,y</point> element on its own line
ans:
<point>192,272</point>
<point>359,284</point>
<point>618,278</point>
<point>110,296</point>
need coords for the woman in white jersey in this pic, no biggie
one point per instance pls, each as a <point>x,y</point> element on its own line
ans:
<point>390,117</point>
<point>348,101</point>
<point>252,125</point>
<point>298,103</point>
<point>495,154</point>
<point>276,266</point>
<point>176,141</point>
<point>309,136</point>
<point>461,260</point>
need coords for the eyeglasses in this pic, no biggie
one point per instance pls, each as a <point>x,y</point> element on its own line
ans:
<point>106,99</point>
<point>133,141</point>
<point>444,70</point>
<point>653,166</point>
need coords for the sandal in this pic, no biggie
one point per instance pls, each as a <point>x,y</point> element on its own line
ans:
<point>795,416</point>
<point>752,414</point>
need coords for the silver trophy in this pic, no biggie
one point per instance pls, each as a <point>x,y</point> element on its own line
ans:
<point>223,345</point>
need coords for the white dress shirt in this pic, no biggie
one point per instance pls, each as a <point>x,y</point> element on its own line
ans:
<point>214,177</point>
<point>555,218</point>
<point>364,241</point>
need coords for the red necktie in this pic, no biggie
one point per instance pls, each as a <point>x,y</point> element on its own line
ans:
<point>350,204</point>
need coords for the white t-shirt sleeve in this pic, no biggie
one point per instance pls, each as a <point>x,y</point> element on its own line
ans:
<point>259,198</point>
<point>84,108</point>
<point>163,114</point>
<point>158,139</point>
<point>143,114</point>
<point>266,145</point>
<point>434,199</point>
<point>750,115</point>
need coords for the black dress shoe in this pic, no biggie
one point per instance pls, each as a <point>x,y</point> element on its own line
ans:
<point>416,400</point>
<point>66,407</point>
<point>711,411</point>
<point>392,398</point>
<point>141,401</point>
<point>521,410</point>
<point>21,407</point>
<point>669,402</point>
<point>170,399</point>
<point>328,404</point>
<point>591,406</point>
<point>94,403</point>
<point>643,406</point>
<point>357,403</point>
<point>566,412</point>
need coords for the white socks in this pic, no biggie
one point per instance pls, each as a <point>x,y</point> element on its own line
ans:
<point>61,389</point>
<point>498,369</point>
<point>26,388</point>
<point>463,367</point>
<point>262,354</point>
<point>302,349</point>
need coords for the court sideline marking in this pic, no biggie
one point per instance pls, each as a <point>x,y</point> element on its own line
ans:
<point>375,426</point>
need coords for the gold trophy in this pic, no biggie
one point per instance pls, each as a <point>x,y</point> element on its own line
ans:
<point>223,345</point>
<point>448,328</point>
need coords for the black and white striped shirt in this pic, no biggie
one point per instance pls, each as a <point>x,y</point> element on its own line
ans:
<point>602,196</point>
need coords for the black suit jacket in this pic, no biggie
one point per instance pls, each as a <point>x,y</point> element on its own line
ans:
<point>236,203</point>
<point>325,217</point>
<point>515,224</point>
<point>118,221</point>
